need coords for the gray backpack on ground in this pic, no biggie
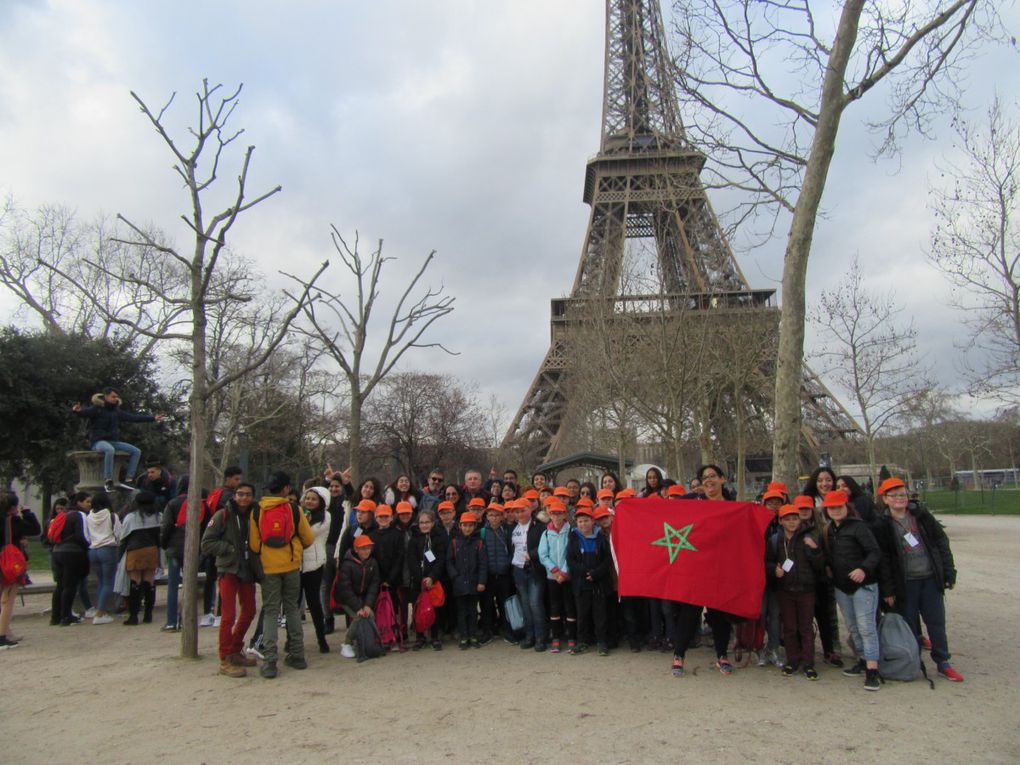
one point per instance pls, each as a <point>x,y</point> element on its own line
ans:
<point>899,651</point>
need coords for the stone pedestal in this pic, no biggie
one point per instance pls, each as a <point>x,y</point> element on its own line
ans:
<point>90,469</point>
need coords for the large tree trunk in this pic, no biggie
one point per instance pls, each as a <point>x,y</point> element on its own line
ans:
<point>189,598</point>
<point>785,463</point>
<point>741,467</point>
<point>354,445</point>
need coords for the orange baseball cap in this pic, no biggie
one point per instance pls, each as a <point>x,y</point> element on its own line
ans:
<point>556,506</point>
<point>468,517</point>
<point>803,501</point>
<point>383,510</point>
<point>786,510</point>
<point>836,498</point>
<point>446,505</point>
<point>495,506</point>
<point>889,484</point>
<point>530,494</point>
<point>604,494</point>
<point>363,541</point>
<point>585,502</point>
<point>676,490</point>
<point>476,502</point>
<point>777,486</point>
<point>584,511</point>
<point>626,493</point>
<point>561,491</point>
<point>602,512</point>
<point>404,508</point>
<point>366,505</point>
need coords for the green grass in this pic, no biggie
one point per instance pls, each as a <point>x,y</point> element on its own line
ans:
<point>968,502</point>
<point>38,556</point>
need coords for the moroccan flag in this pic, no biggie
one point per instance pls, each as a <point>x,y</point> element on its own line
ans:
<point>696,551</point>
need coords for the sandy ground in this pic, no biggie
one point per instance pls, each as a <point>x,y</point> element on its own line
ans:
<point>116,694</point>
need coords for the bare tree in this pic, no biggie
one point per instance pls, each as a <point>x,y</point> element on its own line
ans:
<point>977,245</point>
<point>766,87</point>
<point>197,167</point>
<point>342,326</point>
<point>869,356</point>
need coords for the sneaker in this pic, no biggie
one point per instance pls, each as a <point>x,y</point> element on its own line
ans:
<point>856,669</point>
<point>579,648</point>
<point>871,681</point>
<point>418,644</point>
<point>571,647</point>
<point>268,670</point>
<point>295,662</point>
<point>947,671</point>
<point>102,619</point>
<point>773,658</point>
<point>483,640</point>
<point>724,666</point>
<point>230,669</point>
<point>510,640</point>
<point>810,673</point>
<point>75,620</point>
<point>206,621</point>
<point>603,650</point>
<point>90,613</point>
<point>540,646</point>
<point>555,647</point>
<point>254,652</point>
<point>528,642</point>
<point>833,659</point>
<point>216,622</point>
<point>108,485</point>
<point>788,670</point>
<point>437,645</point>
<point>763,659</point>
<point>6,642</point>
<point>925,644</point>
<point>463,645</point>
<point>678,667</point>
<point>347,651</point>
<point>474,643</point>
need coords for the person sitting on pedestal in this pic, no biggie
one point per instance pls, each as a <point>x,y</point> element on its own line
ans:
<point>105,416</point>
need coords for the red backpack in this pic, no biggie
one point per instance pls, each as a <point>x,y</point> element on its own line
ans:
<point>208,507</point>
<point>56,528</point>
<point>12,561</point>
<point>277,524</point>
<point>386,619</point>
<point>424,613</point>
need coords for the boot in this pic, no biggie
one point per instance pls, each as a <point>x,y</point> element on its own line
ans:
<point>149,596</point>
<point>240,660</point>
<point>134,604</point>
<point>230,669</point>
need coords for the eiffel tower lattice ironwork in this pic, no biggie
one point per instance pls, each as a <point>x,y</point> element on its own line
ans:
<point>645,183</point>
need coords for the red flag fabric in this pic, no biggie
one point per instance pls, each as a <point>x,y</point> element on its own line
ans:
<point>696,551</point>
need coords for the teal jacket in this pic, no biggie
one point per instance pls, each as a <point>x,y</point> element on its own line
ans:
<point>552,550</point>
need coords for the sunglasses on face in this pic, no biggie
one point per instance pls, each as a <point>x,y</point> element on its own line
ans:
<point>434,479</point>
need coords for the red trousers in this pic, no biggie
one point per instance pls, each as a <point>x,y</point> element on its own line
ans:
<point>232,624</point>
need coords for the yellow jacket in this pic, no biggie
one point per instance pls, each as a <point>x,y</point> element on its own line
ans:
<point>280,560</point>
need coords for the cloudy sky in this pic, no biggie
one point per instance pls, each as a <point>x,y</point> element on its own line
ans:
<point>462,127</point>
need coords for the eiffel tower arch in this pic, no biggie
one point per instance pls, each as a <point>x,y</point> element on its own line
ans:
<point>644,184</point>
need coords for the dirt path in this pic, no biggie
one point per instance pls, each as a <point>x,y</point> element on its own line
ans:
<point>118,694</point>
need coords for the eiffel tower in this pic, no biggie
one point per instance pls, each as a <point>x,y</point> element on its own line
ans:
<point>645,183</point>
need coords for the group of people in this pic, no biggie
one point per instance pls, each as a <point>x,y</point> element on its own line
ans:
<point>530,563</point>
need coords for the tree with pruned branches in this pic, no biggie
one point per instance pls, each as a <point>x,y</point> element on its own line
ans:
<point>341,324</point>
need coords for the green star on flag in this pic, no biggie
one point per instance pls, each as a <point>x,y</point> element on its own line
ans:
<point>675,540</point>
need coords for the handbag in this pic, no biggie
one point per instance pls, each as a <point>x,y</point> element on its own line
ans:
<point>437,594</point>
<point>13,563</point>
<point>514,612</point>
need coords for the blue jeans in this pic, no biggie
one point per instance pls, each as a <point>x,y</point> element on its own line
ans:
<point>532,604</point>
<point>104,564</point>
<point>859,614</point>
<point>173,582</point>
<point>924,597</point>
<point>109,447</point>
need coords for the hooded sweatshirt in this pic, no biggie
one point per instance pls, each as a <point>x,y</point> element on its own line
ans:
<point>103,528</point>
<point>552,550</point>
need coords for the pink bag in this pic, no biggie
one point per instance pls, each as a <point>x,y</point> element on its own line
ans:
<point>386,619</point>
<point>424,613</point>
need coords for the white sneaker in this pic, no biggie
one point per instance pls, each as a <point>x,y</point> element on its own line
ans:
<point>347,651</point>
<point>102,619</point>
<point>89,613</point>
<point>216,622</point>
<point>206,621</point>
<point>254,652</point>
<point>763,659</point>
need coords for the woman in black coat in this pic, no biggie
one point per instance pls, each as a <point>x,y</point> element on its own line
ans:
<point>16,524</point>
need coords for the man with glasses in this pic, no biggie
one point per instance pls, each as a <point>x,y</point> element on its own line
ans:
<point>920,561</point>
<point>432,492</point>
<point>226,539</point>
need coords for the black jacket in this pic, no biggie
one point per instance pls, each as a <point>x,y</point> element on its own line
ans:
<point>22,526</point>
<point>418,567</point>
<point>594,563</point>
<point>497,549</point>
<point>73,538</point>
<point>357,582</point>
<point>808,564</point>
<point>347,540</point>
<point>104,421</point>
<point>467,564</point>
<point>226,539</point>
<point>533,565</point>
<point>389,554</point>
<point>936,545</point>
<point>852,545</point>
<point>164,487</point>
